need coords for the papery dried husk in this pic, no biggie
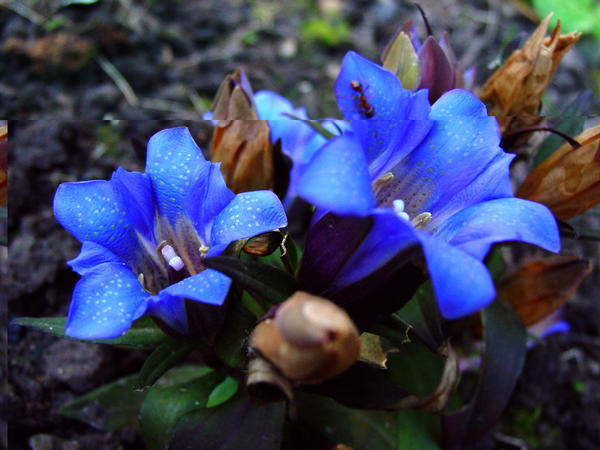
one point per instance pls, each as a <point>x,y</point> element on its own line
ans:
<point>513,93</point>
<point>568,181</point>
<point>541,287</point>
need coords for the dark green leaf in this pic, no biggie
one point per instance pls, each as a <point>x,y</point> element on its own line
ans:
<point>230,345</point>
<point>422,313</point>
<point>315,125</point>
<point>505,338</point>
<point>362,386</point>
<point>160,360</point>
<point>393,328</point>
<point>110,407</point>
<point>418,429</point>
<point>291,255</point>
<point>356,428</point>
<point>243,422</point>
<point>268,282</point>
<point>144,333</point>
<point>117,404</point>
<point>165,405</point>
<point>416,368</point>
<point>223,392</point>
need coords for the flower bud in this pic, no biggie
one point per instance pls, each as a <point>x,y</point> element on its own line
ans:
<point>401,58</point>
<point>310,339</point>
<point>513,93</point>
<point>568,181</point>
<point>241,143</point>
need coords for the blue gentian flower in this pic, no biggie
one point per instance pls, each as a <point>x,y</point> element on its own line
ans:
<point>430,177</point>
<point>144,236</point>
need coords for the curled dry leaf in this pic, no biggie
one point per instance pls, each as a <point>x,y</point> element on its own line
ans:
<point>513,93</point>
<point>541,287</point>
<point>568,181</point>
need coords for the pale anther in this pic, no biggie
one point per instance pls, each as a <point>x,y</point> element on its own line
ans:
<point>421,220</point>
<point>171,257</point>
<point>203,249</point>
<point>380,182</point>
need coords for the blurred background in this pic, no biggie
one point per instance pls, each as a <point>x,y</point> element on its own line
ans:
<point>140,59</point>
<point>68,60</point>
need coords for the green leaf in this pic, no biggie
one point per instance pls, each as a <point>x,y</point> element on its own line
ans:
<point>64,3</point>
<point>244,422</point>
<point>291,256</point>
<point>422,313</point>
<point>268,282</point>
<point>505,338</point>
<point>393,328</point>
<point>165,405</point>
<point>117,404</point>
<point>356,428</point>
<point>110,407</point>
<point>230,344</point>
<point>222,392</point>
<point>418,430</point>
<point>571,125</point>
<point>362,386</point>
<point>144,333</point>
<point>160,360</point>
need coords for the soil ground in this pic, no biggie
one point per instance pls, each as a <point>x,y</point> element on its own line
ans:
<point>173,56</point>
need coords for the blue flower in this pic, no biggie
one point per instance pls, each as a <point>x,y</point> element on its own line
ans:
<point>427,177</point>
<point>144,236</point>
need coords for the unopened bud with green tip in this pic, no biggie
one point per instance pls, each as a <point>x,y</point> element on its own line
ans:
<point>400,57</point>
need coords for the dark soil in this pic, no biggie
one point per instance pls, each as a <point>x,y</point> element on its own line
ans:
<point>174,55</point>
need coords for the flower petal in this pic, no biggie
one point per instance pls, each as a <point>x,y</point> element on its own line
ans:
<point>135,192</point>
<point>248,214</point>
<point>209,286</point>
<point>206,199</point>
<point>454,155</point>
<point>175,164</point>
<point>338,178</point>
<point>93,211</point>
<point>476,228</point>
<point>105,302</point>
<point>170,310</point>
<point>90,256</point>
<point>457,102</point>
<point>389,237</point>
<point>381,89</point>
<point>462,284</point>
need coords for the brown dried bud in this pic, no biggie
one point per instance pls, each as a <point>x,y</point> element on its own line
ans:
<point>568,181</point>
<point>310,339</point>
<point>241,143</point>
<point>513,93</point>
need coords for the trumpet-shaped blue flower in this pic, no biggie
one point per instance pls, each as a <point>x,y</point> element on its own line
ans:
<point>144,236</point>
<point>428,177</point>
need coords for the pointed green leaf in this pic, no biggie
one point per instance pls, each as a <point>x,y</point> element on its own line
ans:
<point>110,407</point>
<point>268,282</point>
<point>144,333</point>
<point>223,392</point>
<point>160,360</point>
<point>418,429</point>
<point>505,339</point>
<point>165,405</point>
<point>244,422</point>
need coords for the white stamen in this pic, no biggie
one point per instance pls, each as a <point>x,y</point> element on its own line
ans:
<point>171,257</point>
<point>399,209</point>
<point>203,249</point>
<point>421,220</point>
